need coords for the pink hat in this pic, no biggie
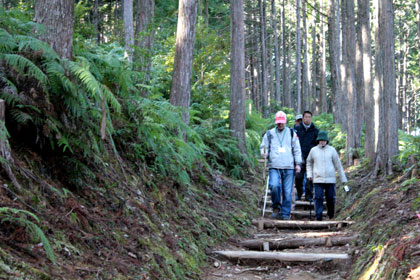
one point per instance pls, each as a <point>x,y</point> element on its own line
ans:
<point>280,117</point>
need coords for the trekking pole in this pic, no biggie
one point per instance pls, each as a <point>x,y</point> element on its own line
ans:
<point>310,202</point>
<point>266,189</point>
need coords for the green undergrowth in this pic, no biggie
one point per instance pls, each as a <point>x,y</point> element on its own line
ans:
<point>384,210</point>
<point>122,188</point>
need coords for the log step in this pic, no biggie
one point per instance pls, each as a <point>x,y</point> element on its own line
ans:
<point>299,204</point>
<point>282,256</point>
<point>298,214</point>
<point>291,243</point>
<point>299,234</point>
<point>270,223</point>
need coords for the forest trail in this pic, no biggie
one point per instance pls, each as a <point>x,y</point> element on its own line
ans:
<point>296,249</point>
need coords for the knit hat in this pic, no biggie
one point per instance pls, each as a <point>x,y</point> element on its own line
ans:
<point>322,135</point>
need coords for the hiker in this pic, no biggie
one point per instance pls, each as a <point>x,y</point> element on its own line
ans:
<point>307,133</point>
<point>298,121</point>
<point>280,146</point>
<point>321,164</point>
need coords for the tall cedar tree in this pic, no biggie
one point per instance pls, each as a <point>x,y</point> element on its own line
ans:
<point>57,18</point>
<point>237,74</point>
<point>185,34</point>
<point>128,29</point>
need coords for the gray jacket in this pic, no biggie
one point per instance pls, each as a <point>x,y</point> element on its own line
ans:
<point>284,152</point>
<point>322,163</point>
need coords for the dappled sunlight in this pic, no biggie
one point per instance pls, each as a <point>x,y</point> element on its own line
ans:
<point>414,274</point>
<point>372,269</point>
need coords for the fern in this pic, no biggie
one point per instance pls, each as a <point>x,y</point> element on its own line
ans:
<point>24,66</point>
<point>21,217</point>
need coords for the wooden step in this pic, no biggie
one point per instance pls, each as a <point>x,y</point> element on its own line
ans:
<point>282,256</point>
<point>293,224</point>
<point>297,214</point>
<point>291,243</point>
<point>299,234</point>
<point>299,204</point>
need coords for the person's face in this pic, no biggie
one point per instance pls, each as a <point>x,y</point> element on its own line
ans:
<point>298,122</point>
<point>323,143</point>
<point>307,119</point>
<point>281,125</point>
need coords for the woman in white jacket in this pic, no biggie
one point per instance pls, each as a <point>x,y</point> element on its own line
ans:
<point>322,162</point>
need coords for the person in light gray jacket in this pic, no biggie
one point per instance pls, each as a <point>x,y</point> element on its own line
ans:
<point>281,147</point>
<point>322,162</point>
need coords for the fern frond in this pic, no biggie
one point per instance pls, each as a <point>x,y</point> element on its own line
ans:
<point>87,79</point>
<point>29,43</point>
<point>7,41</point>
<point>20,116</point>
<point>110,98</point>
<point>20,217</point>
<point>24,66</point>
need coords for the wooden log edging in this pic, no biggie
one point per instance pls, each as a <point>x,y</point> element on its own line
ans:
<point>280,256</point>
<point>269,223</point>
<point>291,243</point>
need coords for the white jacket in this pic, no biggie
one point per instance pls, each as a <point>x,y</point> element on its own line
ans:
<point>284,151</point>
<point>322,163</point>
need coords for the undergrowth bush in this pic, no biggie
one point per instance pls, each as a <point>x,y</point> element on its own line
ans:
<point>98,94</point>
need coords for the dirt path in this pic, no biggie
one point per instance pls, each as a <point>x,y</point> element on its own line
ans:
<point>297,249</point>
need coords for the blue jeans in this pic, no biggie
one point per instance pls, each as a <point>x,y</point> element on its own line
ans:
<point>319,199</point>
<point>281,184</point>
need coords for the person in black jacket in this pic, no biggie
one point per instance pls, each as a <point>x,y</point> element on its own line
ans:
<point>307,133</point>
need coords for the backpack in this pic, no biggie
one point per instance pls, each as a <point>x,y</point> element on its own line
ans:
<point>269,136</point>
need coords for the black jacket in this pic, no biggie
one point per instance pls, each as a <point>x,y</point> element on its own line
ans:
<point>307,138</point>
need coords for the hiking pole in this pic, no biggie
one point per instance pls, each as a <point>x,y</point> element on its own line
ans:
<point>266,189</point>
<point>310,201</point>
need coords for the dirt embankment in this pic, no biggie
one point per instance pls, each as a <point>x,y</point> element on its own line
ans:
<point>118,222</point>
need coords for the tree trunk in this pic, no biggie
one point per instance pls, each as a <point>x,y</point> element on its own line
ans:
<point>57,17</point>
<point>314,66</point>
<point>206,12</point>
<point>343,62</point>
<point>276,52</point>
<point>128,30</point>
<point>286,91</point>
<point>237,74</point>
<point>185,34</point>
<point>387,132</point>
<point>365,43</point>
<point>350,32</point>
<point>322,71</point>
<point>144,39</point>
<point>359,94</point>
<point>298,60</point>
<point>264,93</point>
<point>418,26</point>
<point>305,69</point>
<point>96,20</point>
<point>334,60</point>
<point>389,76</point>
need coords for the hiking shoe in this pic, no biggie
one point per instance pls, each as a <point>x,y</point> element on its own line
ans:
<point>276,213</point>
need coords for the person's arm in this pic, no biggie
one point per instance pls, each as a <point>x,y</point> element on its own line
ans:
<point>339,167</point>
<point>264,146</point>
<point>309,165</point>
<point>297,152</point>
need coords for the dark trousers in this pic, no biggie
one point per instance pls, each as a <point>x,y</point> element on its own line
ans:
<point>299,185</point>
<point>319,199</point>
